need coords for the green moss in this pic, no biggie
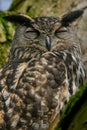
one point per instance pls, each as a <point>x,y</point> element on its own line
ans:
<point>2,31</point>
<point>20,6</point>
<point>6,34</point>
<point>9,29</point>
<point>43,8</point>
<point>31,12</point>
<point>73,108</point>
<point>14,4</point>
<point>4,49</point>
<point>79,121</point>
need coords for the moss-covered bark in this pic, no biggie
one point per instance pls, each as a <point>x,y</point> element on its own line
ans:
<point>74,115</point>
<point>6,34</point>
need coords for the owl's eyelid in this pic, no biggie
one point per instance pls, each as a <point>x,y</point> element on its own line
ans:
<point>30,30</point>
<point>61,29</point>
<point>33,32</point>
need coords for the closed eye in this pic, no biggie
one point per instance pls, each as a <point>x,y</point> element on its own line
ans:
<point>62,29</point>
<point>60,32</point>
<point>31,33</point>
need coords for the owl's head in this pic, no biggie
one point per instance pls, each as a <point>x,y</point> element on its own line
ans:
<point>48,33</point>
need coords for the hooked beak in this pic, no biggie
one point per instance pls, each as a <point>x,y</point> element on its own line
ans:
<point>48,43</point>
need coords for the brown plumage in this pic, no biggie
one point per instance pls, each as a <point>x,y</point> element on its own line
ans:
<point>44,69</point>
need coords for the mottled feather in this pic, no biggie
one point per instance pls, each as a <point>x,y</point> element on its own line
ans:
<point>44,69</point>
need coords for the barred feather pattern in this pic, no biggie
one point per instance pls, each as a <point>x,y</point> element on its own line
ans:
<point>34,92</point>
<point>44,70</point>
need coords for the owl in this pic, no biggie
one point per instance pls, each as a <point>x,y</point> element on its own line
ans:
<point>44,70</point>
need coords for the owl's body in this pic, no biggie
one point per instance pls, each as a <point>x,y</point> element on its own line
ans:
<point>45,68</point>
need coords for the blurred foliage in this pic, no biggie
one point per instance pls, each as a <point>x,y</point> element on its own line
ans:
<point>42,7</point>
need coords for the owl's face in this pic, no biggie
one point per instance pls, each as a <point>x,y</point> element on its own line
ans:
<point>46,33</point>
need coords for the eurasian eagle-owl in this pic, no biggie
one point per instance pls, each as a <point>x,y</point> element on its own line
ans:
<point>44,69</point>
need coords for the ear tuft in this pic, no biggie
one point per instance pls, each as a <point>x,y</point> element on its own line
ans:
<point>19,18</point>
<point>70,17</point>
